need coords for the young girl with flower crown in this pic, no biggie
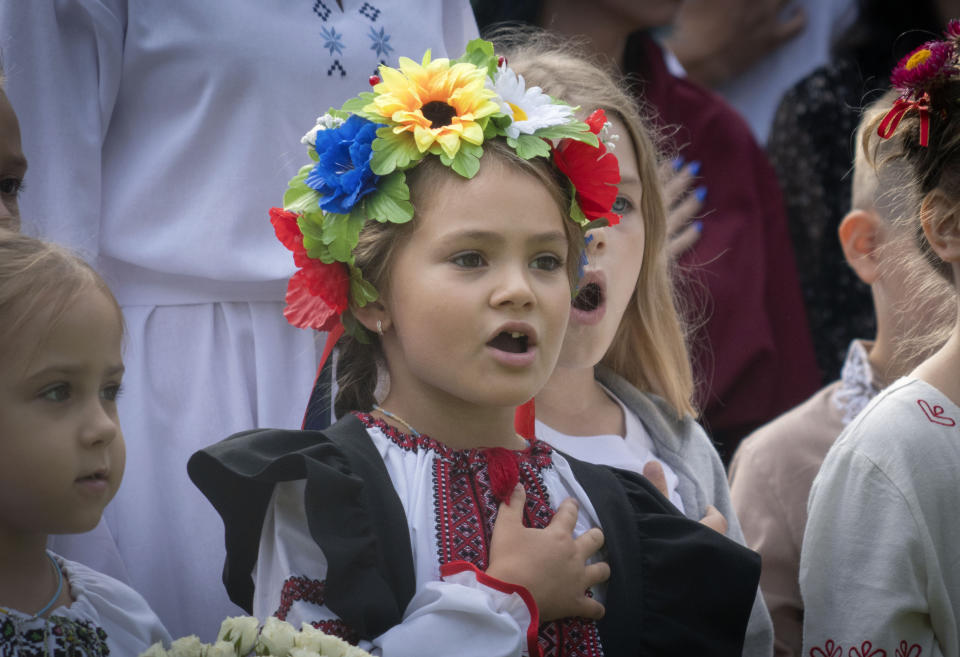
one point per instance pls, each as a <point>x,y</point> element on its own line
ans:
<point>879,570</point>
<point>61,455</point>
<point>439,234</point>
<point>621,392</point>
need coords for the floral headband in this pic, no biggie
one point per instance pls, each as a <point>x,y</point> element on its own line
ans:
<point>360,154</point>
<point>919,76</point>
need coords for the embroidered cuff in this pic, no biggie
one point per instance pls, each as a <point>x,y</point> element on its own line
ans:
<point>514,599</point>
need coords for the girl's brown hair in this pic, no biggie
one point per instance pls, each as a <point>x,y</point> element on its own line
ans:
<point>649,349</point>
<point>360,358</point>
<point>39,280</point>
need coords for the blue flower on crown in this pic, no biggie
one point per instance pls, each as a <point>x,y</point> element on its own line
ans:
<point>342,174</point>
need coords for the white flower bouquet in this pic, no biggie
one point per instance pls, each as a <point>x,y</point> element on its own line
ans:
<point>242,636</point>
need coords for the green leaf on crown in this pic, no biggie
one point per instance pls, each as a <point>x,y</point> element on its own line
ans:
<point>576,212</point>
<point>299,198</point>
<point>354,328</point>
<point>497,125</point>
<point>392,151</point>
<point>577,131</point>
<point>341,233</point>
<point>391,201</point>
<point>362,291</point>
<point>312,231</point>
<point>529,146</point>
<point>355,106</point>
<point>480,54</point>
<point>467,160</point>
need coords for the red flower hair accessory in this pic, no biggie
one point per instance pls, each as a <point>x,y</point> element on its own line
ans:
<point>317,293</point>
<point>919,75</point>
<point>594,172</point>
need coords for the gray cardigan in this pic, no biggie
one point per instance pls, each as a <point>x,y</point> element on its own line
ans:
<point>684,446</point>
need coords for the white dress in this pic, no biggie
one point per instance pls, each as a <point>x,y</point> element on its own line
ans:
<point>879,567</point>
<point>106,617</point>
<point>159,134</point>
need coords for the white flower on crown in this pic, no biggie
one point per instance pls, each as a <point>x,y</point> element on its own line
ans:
<point>530,109</point>
<point>608,137</point>
<point>325,122</point>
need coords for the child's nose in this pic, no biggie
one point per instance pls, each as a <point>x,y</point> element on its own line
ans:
<point>100,424</point>
<point>514,288</point>
<point>595,241</point>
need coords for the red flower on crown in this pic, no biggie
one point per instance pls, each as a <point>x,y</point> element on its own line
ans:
<point>317,293</point>
<point>594,172</point>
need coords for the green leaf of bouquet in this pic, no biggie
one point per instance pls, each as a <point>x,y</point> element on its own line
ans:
<point>391,201</point>
<point>577,131</point>
<point>392,151</point>
<point>528,146</point>
<point>362,291</point>
<point>467,160</point>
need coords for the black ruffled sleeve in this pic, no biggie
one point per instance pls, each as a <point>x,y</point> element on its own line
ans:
<point>676,586</point>
<point>352,511</point>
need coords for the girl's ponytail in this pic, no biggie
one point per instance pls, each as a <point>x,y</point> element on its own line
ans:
<point>356,376</point>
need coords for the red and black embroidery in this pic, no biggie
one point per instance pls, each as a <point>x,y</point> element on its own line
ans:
<point>337,628</point>
<point>300,589</point>
<point>465,507</point>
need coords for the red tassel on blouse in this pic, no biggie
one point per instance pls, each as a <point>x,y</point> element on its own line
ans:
<point>503,470</point>
<point>524,420</point>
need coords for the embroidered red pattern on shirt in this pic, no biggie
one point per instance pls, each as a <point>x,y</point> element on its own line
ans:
<point>465,508</point>
<point>312,591</point>
<point>830,648</point>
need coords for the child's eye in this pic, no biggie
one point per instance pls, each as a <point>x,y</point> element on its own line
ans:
<point>468,260</point>
<point>111,392</point>
<point>11,186</point>
<point>621,205</point>
<point>547,262</point>
<point>58,392</point>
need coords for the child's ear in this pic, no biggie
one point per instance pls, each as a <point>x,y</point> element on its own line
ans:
<point>859,237</point>
<point>374,316</point>
<point>940,218</point>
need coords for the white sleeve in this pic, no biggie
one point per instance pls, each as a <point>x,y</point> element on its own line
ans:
<point>862,566</point>
<point>478,614</point>
<point>63,60</point>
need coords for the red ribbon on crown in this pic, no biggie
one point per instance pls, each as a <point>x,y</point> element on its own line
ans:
<point>890,122</point>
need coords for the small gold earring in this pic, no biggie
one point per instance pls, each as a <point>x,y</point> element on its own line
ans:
<point>380,328</point>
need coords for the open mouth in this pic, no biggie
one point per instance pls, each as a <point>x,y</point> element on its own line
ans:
<point>589,298</point>
<point>512,342</point>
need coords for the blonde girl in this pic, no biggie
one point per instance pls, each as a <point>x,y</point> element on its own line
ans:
<point>61,455</point>
<point>421,523</point>
<point>621,393</point>
<point>878,566</point>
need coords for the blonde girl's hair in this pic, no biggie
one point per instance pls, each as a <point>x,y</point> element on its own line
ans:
<point>886,181</point>
<point>361,359</point>
<point>649,349</point>
<point>38,281</point>
<point>935,167</point>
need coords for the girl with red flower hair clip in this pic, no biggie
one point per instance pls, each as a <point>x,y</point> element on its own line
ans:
<point>421,522</point>
<point>879,571</point>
